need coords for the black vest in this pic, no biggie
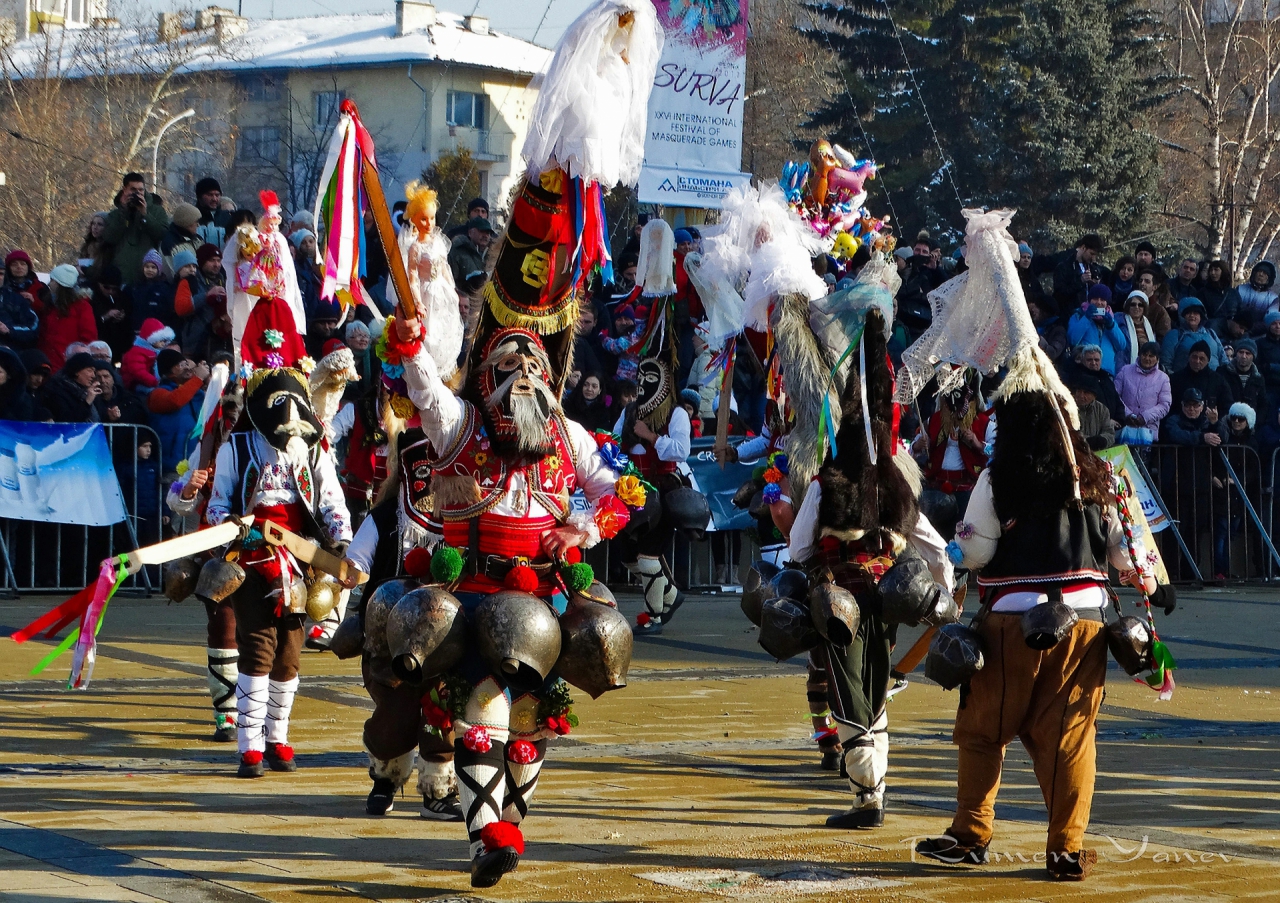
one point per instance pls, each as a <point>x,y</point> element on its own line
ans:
<point>387,560</point>
<point>1064,547</point>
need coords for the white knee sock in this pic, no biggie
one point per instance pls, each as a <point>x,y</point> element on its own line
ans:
<point>224,671</point>
<point>251,711</point>
<point>866,760</point>
<point>279,705</point>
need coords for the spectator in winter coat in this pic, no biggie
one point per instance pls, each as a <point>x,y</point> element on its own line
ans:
<point>1177,343</point>
<point>1190,426</point>
<point>1053,335</point>
<point>1124,279</point>
<point>1158,301</point>
<point>921,276</point>
<point>1090,361</point>
<point>586,350</point>
<point>212,228</point>
<point>152,298</point>
<point>1268,359</point>
<point>1198,375</point>
<point>138,366</point>
<point>134,227</point>
<point>173,406</point>
<point>1094,324</point>
<point>587,404</point>
<point>1077,273</point>
<point>1251,301</point>
<point>66,318</point>
<point>1246,381</point>
<point>1186,283</point>
<point>467,254</point>
<point>1095,419</point>
<point>1213,291</point>
<point>111,310</point>
<point>310,278</point>
<point>38,373</point>
<point>114,403</point>
<point>69,395</point>
<point>182,235</point>
<point>624,342</point>
<point>1144,390</point>
<point>15,403</point>
<point>19,325</point>
<point>1135,325</point>
<point>1144,254</point>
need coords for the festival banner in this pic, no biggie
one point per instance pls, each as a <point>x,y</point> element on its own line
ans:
<point>693,144</point>
<point>58,473</point>
<point>1121,460</point>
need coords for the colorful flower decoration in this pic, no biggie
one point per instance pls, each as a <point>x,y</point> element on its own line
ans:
<point>561,725</point>
<point>306,364</point>
<point>392,352</point>
<point>611,516</point>
<point>274,360</point>
<point>781,462</point>
<point>274,338</point>
<point>436,715</point>
<point>643,619</point>
<point>522,752</point>
<point>477,739</point>
<point>771,493</point>
<point>630,490</point>
<point>614,457</point>
<point>183,466</point>
<point>773,475</point>
<point>481,458</point>
<point>603,438</point>
<point>955,554</point>
<point>964,530</point>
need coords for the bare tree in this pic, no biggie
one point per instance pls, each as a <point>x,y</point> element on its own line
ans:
<point>1220,137</point>
<point>81,107</point>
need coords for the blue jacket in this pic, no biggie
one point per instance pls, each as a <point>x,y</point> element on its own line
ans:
<point>16,313</point>
<point>1177,342</point>
<point>1082,329</point>
<point>174,429</point>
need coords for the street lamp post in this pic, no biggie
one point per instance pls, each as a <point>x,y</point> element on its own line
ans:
<point>155,151</point>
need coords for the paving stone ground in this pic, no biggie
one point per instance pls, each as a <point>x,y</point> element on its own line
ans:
<point>697,781</point>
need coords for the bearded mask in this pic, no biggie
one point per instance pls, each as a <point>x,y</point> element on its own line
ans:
<point>279,407</point>
<point>516,399</point>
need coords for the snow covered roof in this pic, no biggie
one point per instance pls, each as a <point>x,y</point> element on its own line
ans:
<point>316,42</point>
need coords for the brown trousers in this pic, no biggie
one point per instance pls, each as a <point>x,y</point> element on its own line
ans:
<point>397,725</point>
<point>268,644</point>
<point>1048,700</point>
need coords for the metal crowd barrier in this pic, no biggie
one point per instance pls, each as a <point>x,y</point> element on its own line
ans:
<point>1223,508</point>
<point>44,557</point>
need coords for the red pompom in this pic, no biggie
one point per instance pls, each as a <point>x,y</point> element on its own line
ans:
<point>643,619</point>
<point>522,752</point>
<point>418,563</point>
<point>477,739</point>
<point>499,834</point>
<point>572,555</point>
<point>283,751</point>
<point>252,757</point>
<point>521,577</point>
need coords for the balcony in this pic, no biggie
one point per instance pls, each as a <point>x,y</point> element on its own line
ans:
<point>484,145</point>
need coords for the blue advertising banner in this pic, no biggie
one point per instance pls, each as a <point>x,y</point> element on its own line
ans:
<point>58,473</point>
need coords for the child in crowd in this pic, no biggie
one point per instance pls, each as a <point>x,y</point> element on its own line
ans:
<point>138,367</point>
<point>623,341</point>
<point>152,298</point>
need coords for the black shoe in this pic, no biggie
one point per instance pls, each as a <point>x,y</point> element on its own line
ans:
<point>447,809</point>
<point>830,760</point>
<point>949,850</point>
<point>224,733</point>
<point>250,766</point>
<point>488,868</point>
<point>1072,866</point>
<point>279,757</point>
<point>858,818</point>
<point>382,798</point>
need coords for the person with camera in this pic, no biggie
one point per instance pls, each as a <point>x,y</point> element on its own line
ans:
<point>136,225</point>
<point>1095,324</point>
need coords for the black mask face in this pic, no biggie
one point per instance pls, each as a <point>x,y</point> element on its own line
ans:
<point>653,383</point>
<point>279,407</point>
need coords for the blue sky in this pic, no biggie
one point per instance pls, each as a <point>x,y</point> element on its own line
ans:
<point>515,17</point>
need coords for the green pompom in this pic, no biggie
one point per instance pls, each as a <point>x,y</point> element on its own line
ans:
<point>446,564</point>
<point>578,577</point>
<point>758,472</point>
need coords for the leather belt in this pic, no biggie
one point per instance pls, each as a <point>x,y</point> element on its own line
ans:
<point>496,567</point>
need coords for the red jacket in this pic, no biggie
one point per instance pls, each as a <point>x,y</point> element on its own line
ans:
<point>686,292</point>
<point>974,460</point>
<point>58,330</point>
<point>137,367</point>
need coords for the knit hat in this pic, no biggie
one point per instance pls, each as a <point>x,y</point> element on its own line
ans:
<point>297,237</point>
<point>154,257</point>
<point>185,216</point>
<point>166,360</point>
<point>1145,246</point>
<point>904,253</point>
<point>683,235</point>
<point>1140,295</point>
<point>625,310</point>
<point>77,362</point>
<point>208,183</point>
<point>691,396</point>
<point>1083,379</point>
<point>184,257</point>
<point>1100,292</point>
<point>205,253</point>
<point>331,346</point>
<point>1024,248</point>
<point>303,218</point>
<point>64,274</point>
<point>35,361</point>
<point>1240,409</point>
<point>1202,345</point>
<point>155,332</point>
<point>1247,344</point>
<point>17,254</point>
<point>1272,316</point>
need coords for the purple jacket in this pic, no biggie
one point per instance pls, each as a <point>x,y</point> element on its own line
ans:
<point>1145,395</point>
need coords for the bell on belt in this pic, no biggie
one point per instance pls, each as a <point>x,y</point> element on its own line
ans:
<point>786,629</point>
<point>322,597</point>
<point>519,636</point>
<point>348,640</point>
<point>757,588</point>
<point>595,648</point>
<point>955,655</point>
<point>1044,625</point>
<point>426,633</point>
<point>835,613</point>
<point>218,579</point>
<point>1131,644</point>
<point>179,578</point>
<point>377,610</point>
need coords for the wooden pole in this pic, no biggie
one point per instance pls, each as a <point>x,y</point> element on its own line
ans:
<point>722,415</point>
<point>387,235</point>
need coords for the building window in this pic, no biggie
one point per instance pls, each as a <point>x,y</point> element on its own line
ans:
<point>259,144</point>
<point>326,106</point>
<point>261,88</point>
<point>467,109</point>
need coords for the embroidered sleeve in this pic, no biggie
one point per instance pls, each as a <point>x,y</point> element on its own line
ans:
<point>441,409</point>
<point>224,486</point>
<point>331,502</point>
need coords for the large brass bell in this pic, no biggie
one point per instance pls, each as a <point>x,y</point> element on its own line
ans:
<point>377,611</point>
<point>179,578</point>
<point>218,579</point>
<point>426,634</point>
<point>595,648</point>
<point>322,596</point>
<point>518,635</point>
